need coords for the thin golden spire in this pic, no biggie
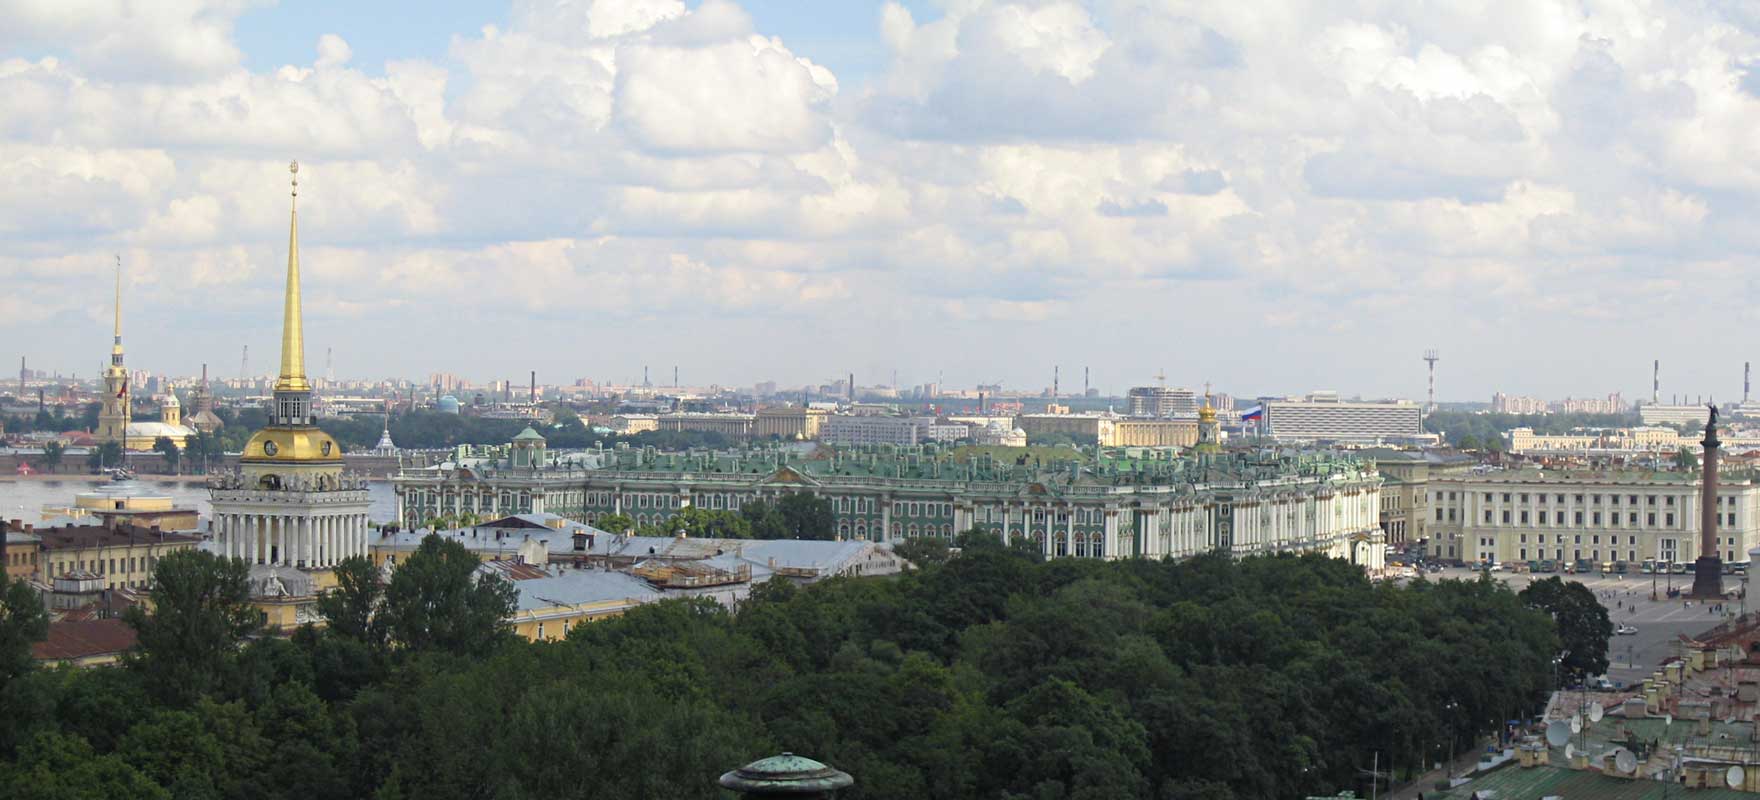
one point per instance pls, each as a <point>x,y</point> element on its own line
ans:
<point>293,348</point>
<point>118,331</point>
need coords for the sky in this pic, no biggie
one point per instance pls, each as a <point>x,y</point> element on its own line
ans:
<point>1275,197</point>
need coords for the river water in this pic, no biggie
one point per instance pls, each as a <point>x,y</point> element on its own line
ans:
<point>24,500</point>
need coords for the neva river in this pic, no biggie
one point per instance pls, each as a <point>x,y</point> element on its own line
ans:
<point>24,500</point>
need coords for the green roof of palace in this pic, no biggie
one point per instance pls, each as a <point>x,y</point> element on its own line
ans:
<point>527,435</point>
<point>1106,466</point>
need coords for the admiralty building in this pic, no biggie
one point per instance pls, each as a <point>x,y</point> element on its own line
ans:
<point>1115,504</point>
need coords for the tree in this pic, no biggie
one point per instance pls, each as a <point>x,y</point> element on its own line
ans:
<point>923,552</point>
<point>1581,623</point>
<point>167,448</point>
<point>1685,460</point>
<point>615,523</point>
<point>201,611</point>
<point>23,621</point>
<point>50,460</point>
<point>351,607</point>
<point>437,601</point>
<point>107,454</point>
<point>807,516</point>
<point>1467,442</point>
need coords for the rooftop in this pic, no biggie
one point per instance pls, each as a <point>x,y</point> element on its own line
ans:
<point>75,537</point>
<point>574,587</point>
<point>1512,782</point>
<point>75,639</point>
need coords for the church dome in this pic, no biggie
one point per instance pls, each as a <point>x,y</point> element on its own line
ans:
<point>277,445</point>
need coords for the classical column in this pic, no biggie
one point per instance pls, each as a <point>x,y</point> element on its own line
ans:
<point>1069,529</point>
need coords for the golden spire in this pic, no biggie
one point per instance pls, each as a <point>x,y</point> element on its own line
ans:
<point>293,348</point>
<point>116,346</point>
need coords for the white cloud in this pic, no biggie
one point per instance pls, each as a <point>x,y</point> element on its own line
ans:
<point>1312,175</point>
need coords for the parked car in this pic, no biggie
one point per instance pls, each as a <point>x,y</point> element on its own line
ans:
<point>1625,630</point>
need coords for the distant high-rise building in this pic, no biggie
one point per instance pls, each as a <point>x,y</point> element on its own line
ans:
<point>1517,404</point>
<point>1322,416</point>
<point>1160,401</point>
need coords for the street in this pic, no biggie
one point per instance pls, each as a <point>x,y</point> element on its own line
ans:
<point>1632,658</point>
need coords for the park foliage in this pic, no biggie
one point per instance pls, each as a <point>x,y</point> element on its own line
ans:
<point>987,672</point>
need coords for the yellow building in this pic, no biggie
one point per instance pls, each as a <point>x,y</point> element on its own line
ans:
<point>142,436</point>
<point>549,607</point>
<point>790,423</point>
<point>1155,433</point>
<point>634,423</point>
<point>733,425</point>
<point>124,556</point>
<point>1082,427</point>
<point>127,502</point>
<point>22,551</point>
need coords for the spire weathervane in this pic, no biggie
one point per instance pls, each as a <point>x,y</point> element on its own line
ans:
<point>293,355</point>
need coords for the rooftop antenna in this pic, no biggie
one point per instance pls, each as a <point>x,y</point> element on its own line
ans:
<point>1431,356</point>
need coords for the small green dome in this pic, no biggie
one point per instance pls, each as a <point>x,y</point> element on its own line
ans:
<point>786,774</point>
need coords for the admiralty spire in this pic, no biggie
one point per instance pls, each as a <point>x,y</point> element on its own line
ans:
<point>290,510</point>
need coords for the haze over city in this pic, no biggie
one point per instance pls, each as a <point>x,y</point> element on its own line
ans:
<point>1277,199</point>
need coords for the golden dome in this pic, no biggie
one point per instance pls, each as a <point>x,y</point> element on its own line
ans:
<point>291,445</point>
<point>1206,414</point>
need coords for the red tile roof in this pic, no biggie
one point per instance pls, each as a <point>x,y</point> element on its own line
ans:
<point>71,639</point>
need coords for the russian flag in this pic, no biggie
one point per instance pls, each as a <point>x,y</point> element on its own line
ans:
<point>1256,412</point>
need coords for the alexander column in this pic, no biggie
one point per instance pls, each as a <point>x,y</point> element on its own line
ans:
<point>1708,574</point>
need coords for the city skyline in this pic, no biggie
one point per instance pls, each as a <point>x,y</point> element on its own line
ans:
<point>755,192</point>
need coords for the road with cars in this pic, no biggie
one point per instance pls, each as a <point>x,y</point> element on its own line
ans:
<point>1659,623</point>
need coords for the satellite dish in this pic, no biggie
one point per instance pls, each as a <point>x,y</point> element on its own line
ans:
<point>1570,751</point>
<point>1557,733</point>
<point>1596,712</point>
<point>1668,719</point>
<point>1625,762</point>
<point>1576,724</point>
<point>1735,777</point>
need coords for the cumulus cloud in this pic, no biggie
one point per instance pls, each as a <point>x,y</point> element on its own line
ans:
<point>1315,172</point>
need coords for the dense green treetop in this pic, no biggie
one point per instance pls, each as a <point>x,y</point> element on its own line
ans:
<point>986,673</point>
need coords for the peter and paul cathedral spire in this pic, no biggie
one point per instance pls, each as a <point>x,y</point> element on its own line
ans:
<point>113,416</point>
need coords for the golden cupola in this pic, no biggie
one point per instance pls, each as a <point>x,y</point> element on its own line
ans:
<point>291,435</point>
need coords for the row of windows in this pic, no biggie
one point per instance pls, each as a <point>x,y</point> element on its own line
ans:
<point>1594,518</point>
<point>1591,499</point>
<point>110,566</point>
<point>922,509</point>
<point>17,559</point>
<point>1595,555</point>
